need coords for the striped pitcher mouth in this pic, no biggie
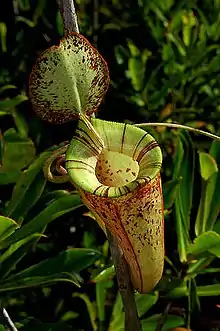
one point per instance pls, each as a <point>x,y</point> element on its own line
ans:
<point>111,159</point>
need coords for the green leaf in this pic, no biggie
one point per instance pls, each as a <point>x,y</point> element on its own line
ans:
<point>20,123</point>
<point>176,21</point>
<point>117,318</point>
<point>21,189</point>
<point>134,50</point>
<point>188,23</point>
<point>209,271</point>
<point>39,281</point>
<point>170,191</point>
<point>32,195</point>
<point>24,5</point>
<point>68,80</point>
<point>15,253</point>
<point>213,196</point>
<point>90,308</point>
<point>3,33</point>
<point>208,290</point>
<point>25,20</point>
<point>60,268</point>
<point>101,293</point>
<point>136,71</point>
<point>105,274</point>
<point>71,260</point>
<point>51,196</point>
<point>206,242</point>
<point>69,315</point>
<point>45,200</point>
<point>215,150</point>
<point>2,148</point>
<point>209,206</point>
<point>89,239</point>
<point>168,52</point>
<point>7,87</point>
<point>217,226</point>
<point>187,172</point>
<point>59,23</point>
<point>208,165</point>
<point>184,162</point>
<point>171,322</point>
<point>7,227</point>
<point>145,301</point>
<point>121,54</point>
<point>193,299</point>
<point>39,10</point>
<point>18,153</point>
<point>198,266</point>
<point>165,6</point>
<point>213,189</point>
<point>178,292</point>
<point>13,248</point>
<point>57,208</point>
<point>9,177</point>
<point>9,104</point>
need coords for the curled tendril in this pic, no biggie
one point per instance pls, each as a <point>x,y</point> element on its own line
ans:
<point>57,157</point>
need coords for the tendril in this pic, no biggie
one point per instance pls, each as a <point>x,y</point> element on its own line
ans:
<point>58,159</point>
<point>180,126</point>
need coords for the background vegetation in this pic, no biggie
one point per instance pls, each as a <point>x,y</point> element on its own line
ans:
<point>164,62</point>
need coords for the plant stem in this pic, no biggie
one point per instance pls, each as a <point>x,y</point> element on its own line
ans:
<point>180,126</point>
<point>7,320</point>
<point>132,322</point>
<point>69,16</point>
<point>189,304</point>
<point>163,318</point>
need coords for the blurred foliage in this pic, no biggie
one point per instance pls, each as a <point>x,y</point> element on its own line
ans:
<point>163,58</point>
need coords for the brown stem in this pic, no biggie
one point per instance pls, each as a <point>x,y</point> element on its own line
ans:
<point>132,322</point>
<point>163,317</point>
<point>69,16</point>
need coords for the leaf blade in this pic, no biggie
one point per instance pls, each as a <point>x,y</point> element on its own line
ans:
<point>68,80</point>
<point>55,209</point>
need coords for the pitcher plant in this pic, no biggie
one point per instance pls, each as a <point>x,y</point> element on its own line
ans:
<point>114,166</point>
